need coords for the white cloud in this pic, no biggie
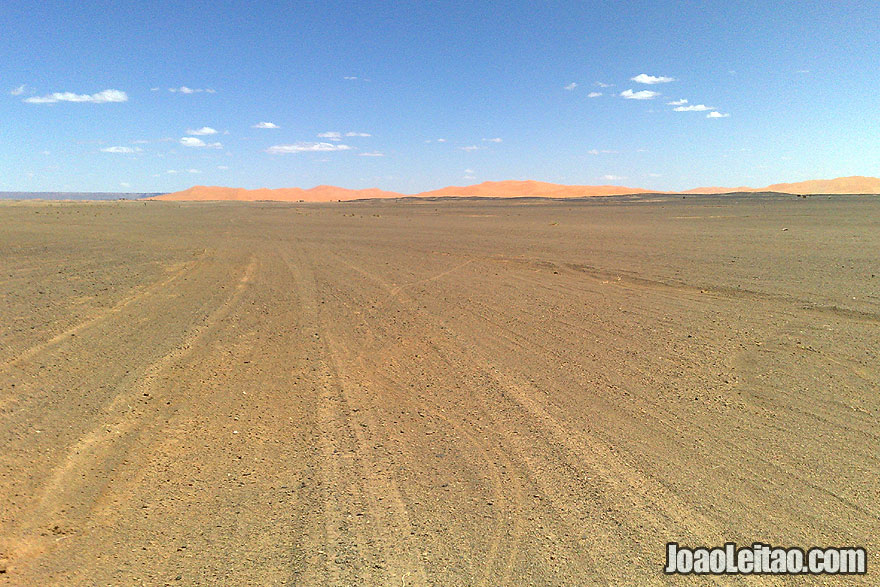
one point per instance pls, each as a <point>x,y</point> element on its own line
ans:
<point>194,142</point>
<point>603,151</point>
<point>469,172</point>
<point>154,89</point>
<point>222,167</point>
<point>186,90</point>
<point>644,78</point>
<point>120,150</point>
<point>570,86</point>
<point>654,175</point>
<point>99,98</point>
<point>205,130</point>
<point>594,94</point>
<point>305,147</point>
<point>677,102</point>
<point>601,85</point>
<point>611,177</point>
<point>19,90</point>
<point>640,95</point>
<point>337,136</point>
<point>495,140</point>
<point>717,115</point>
<point>694,108</point>
<point>441,140</point>
<point>124,184</point>
<point>194,170</point>
<point>265,125</point>
<point>372,154</point>
<point>471,148</point>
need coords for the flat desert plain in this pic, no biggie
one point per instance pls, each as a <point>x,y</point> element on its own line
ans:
<point>434,392</point>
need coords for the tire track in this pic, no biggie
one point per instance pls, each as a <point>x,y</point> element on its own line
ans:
<point>325,545</point>
<point>119,306</point>
<point>632,281</point>
<point>486,455</point>
<point>653,495</point>
<point>514,532</point>
<point>397,562</point>
<point>648,495</point>
<point>60,498</point>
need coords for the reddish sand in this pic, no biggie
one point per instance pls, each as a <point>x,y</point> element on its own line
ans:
<point>534,188</point>
<point>512,189</point>
<point>719,190</point>
<point>842,185</point>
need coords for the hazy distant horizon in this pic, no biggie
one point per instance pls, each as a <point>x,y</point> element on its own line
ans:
<point>77,195</point>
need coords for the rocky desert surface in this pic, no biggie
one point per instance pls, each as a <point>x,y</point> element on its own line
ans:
<point>528,392</point>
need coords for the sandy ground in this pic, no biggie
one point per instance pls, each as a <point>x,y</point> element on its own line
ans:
<point>470,393</point>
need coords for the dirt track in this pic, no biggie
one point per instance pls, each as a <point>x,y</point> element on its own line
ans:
<point>433,393</point>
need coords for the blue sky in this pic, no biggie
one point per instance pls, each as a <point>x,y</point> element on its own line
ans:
<point>416,96</point>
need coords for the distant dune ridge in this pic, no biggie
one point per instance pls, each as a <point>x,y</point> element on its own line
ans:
<point>842,185</point>
<point>510,189</point>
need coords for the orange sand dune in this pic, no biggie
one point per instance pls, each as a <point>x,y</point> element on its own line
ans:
<point>718,190</point>
<point>510,189</point>
<point>513,189</point>
<point>842,185</point>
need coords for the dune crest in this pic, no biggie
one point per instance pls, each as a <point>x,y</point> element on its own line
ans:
<point>510,189</point>
<point>855,184</point>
